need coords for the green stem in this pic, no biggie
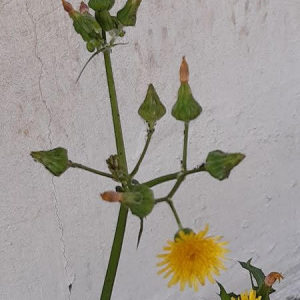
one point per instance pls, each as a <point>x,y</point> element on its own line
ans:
<point>136,168</point>
<point>80,166</point>
<point>122,218</point>
<point>170,202</point>
<point>173,176</point>
<point>185,144</point>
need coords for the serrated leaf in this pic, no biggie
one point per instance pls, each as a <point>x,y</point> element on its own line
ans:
<point>257,273</point>
<point>223,294</point>
<point>219,164</point>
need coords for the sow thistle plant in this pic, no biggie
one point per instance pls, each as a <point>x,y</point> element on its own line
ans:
<point>190,258</point>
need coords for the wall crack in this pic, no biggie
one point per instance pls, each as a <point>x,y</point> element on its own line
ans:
<point>62,232</point>
<point>40,75</point>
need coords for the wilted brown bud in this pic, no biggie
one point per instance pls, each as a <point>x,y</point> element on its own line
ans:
<point>67,6</point>
<point>272,277</point>
<point>111,196</point>
<point>184,71</point>
<point>83,7</point>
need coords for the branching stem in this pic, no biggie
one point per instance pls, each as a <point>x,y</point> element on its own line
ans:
<point>80,166</point>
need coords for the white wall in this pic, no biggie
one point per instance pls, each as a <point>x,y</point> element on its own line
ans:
<point>245,71</point>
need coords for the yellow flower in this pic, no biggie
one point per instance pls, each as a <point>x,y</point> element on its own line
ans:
<point>191,258</point>
<point>252,296</point>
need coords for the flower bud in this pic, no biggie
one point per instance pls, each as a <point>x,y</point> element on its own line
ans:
<point>272,277</point>
<point>56,160</point>
<point>68,7</point>
<point>99,5</point>
<point>105,20</point>
<point>151,109</point>
<point>186,108</point>
<point>116,168</point>
<point>111,196</point>
<point>127,15</point>
<point>140,200</point>
<point>184,71</point>
<point>83,8</point>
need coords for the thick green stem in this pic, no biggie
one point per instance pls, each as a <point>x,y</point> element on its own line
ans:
<point>149,136</point>
<point>80,166</point>
<point>122,219</point>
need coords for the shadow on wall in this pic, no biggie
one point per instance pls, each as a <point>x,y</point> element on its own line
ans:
<point>293,298</point>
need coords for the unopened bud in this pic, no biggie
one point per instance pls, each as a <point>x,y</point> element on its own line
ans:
<point>184,71</point>
<point>111,196</point>
<point>151,109</point>
<point>99,5</point>
<point>105,20</point>
<point>272,277</point>
<point>186,108</point>
<point>83,8</point>
<point>55,160</point>
<point>140,200</point>
<point>67,6</point>
<point>127,15</point>
<point>116,167</point>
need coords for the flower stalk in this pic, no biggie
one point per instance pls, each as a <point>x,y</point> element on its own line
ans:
<point>123,212</point>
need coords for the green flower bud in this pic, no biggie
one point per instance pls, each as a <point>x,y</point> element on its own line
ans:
<point>85,25</point>
<point>99,5</point>
<point>127,15</point>
<point>186,108</point>
<point>185,231</point>
<point>55,160</point>
<point>116,168</point>
<point>151,109</point>
<point>105,20</point>
<point>140,200</point>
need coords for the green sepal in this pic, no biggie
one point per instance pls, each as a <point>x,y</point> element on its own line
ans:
<point>106,21</point>
<point>151,109</point>
<point>186,107</point>
<point>99,5</point>
<point>223,294</point>
<point>186,231</point>
<point>127,15</point>
<point>56,160</point>
<point>257,273</point>
<point>219,164</point>
<point>140,200</point>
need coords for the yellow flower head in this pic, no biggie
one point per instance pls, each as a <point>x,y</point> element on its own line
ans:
<point>191,258</point>
<point>245,296</point>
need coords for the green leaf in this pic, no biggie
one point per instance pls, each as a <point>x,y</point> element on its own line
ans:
<point>223,294</point>
<point>219,164</point>
<point>258,274</point>
<point>55,160</point>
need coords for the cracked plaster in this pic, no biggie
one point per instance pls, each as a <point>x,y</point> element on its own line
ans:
<point>56,234</point>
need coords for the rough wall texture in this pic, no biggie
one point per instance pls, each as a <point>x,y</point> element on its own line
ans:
<point>244,62</point>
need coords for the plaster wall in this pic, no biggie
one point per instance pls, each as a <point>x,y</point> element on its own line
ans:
<point>244,63</point>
